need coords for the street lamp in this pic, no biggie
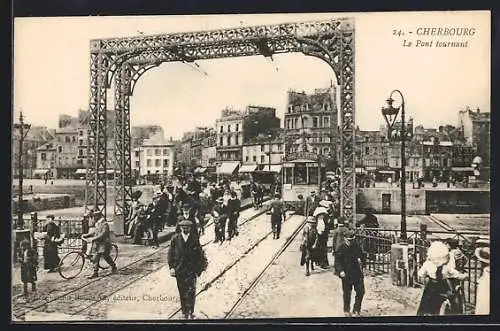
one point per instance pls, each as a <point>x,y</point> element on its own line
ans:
<point>390,113</point>
<point>23,132</point>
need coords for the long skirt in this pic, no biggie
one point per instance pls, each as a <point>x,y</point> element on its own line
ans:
<point>431,297</point>
<point>50,256</point>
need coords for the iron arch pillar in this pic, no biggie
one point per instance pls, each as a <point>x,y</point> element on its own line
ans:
<point>341,61</point>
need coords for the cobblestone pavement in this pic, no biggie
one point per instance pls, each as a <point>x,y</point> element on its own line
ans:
<point>156,296</point>
<point>79,293</point>
<point>285,292</point>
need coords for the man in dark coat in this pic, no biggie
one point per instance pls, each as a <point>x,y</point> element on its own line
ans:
<point>102,244</point>
<point>277,210</point>
<point>233,212</point>
<point>312,203</point>
<point>349,265</point>
<point>186,261</point>
<point>369,220</point>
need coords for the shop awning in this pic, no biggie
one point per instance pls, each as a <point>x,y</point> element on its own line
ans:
<point>458,169</point>
<point>40,171</point>
<point>386,172</point>
<point>247,168</point>
<point>80,171</point>
<point>227,168</point>
<point>273,168</point>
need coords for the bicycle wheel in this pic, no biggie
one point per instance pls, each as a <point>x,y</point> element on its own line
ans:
<point>71,265</point>
<point>113,252</point>
<point>445,308</point>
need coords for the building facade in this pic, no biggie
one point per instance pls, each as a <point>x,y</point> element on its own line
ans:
<point>263,152</point>
<point>476,127</point>
<point>36,137</point>
<point>311,122</point>
<point>155,157</point>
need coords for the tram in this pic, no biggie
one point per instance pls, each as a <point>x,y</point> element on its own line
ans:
<point>302,173</point>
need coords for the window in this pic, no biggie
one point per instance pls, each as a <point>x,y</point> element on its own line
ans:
<point>315,122</point>
<point>237,127</point>
<point>66,139</point>
<point>59,149</point>
<point>315,150</point>
<point>262,159</point>
<point>228,140</point>
<point>221,129</point>
<point>136,153</point>
<point>296,123</point>
<point>326,150</point>
<point>157,152</point>
<point>148,162</point>
<point>80,152</point>
<point>80,132</point>
<point>73,138</point>
<point>326,121</point>
<point>220,141</point>
<point>237,140</point>
<point>80,142</point>
<point>300,173</point>
<point>326,107</point>
<point>262,148</point>
<point>288,176</point>
<point>149,152</point>
<point>254,158</point>
<point>280,147</point>
<point>165,163</point>
<point>313,175</point>
<point>290,108</point>
<point>367,150</point>
<point>165,151</point>
<point>157,163</point>
<point>229,128</point>
<point>246,158</point>
<point>43,156</point>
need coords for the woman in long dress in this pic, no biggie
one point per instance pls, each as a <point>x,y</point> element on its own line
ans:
<point>483,284</point>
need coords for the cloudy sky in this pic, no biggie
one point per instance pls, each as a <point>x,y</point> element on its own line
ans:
<point>51,69</point>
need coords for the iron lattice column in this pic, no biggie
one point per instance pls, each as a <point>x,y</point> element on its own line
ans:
<point>96,194</point>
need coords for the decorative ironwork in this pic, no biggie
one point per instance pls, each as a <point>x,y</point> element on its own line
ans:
<point>125,60</point>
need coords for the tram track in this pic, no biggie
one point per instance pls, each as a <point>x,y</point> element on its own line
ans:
<point>261,274</point>
<point>146,265</point>
<point>209,284</point>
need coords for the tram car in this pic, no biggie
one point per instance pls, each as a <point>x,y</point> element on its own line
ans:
<point>302,173</point>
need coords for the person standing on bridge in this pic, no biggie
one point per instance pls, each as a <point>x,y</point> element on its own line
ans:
<point>186,260</point>
<point>349,265</point>
<point>277,209</point>
<point>102,244</point>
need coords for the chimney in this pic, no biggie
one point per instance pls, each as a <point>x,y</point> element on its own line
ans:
<point>477,110</point>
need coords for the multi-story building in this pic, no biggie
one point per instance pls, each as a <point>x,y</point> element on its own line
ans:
<point>236,128</point>
<point>311,122</point>
<point>139,133</point>
<point>155,157</point>
<point>371,151</point>
<point>36,137</point>
<point>438,159</point>
<point>69,158</point>
<point>209,150</point>
<point>414,166</point>
<point>263,153</point>
<point>476,128</point>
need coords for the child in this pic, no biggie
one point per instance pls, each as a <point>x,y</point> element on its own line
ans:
<point>29,266</point>
<point>438,270</point>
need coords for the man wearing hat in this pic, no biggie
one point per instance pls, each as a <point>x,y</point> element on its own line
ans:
<point>102,244</point>
<point>349,264</point>
<point>154,219</point>
<point>311,204</point>
<point>219,215</point>
<point>277,208</point>
<point>483,284</point>
<point>187,214</point>
<point>338,235</point>
<point>186,261</point>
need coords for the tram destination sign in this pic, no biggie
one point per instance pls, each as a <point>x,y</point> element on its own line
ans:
<point>302,156</point>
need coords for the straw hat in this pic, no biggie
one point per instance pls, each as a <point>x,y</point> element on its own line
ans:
<point>438,251</point>
<point>311,219</point>
<point>483,254</point>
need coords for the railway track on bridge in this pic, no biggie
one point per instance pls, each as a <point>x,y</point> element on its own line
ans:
<point>96,291</point>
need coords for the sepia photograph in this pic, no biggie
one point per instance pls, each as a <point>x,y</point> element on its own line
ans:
<point>181,168</point>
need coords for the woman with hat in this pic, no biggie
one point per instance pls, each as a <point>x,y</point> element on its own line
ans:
<point>483,284</point>
<point>309,244</point>
<point>437,270</point>
<point>52,239</point>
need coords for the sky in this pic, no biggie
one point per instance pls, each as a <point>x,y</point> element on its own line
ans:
<point>51,69</point>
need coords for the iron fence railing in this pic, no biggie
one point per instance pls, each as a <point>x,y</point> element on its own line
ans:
<point>376,244</point>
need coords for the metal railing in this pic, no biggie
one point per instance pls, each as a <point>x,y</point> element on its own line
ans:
<point>376,244</point>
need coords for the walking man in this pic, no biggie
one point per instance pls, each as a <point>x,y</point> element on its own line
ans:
<point>349,264</point>
<point>277,215</point>
<point>186,261</point>
<point>312,203</point>
<point>102,244</point>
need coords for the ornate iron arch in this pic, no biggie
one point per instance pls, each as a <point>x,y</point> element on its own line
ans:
<point>124,60</point>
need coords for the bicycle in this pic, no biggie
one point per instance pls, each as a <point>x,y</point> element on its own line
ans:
<point>453,300</point>
<point>72,263</point>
